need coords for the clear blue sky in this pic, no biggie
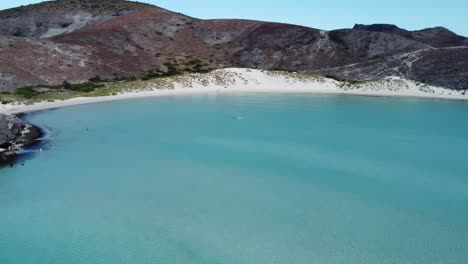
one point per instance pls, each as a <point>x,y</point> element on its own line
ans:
<point>330,14</point>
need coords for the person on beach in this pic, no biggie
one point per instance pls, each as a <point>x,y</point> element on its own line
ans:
<point>13,149</point>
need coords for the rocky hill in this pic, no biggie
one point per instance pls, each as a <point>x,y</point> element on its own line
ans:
<point>75,40</point>
<point>437,37</point>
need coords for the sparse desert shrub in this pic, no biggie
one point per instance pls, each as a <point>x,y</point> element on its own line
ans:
<point>84,87</point>
<point>96,79</point>
<point>155,73</point>
<point>193,62</point>
<point>66,84</point>
<point>333,77</point>
<point>27,92</point>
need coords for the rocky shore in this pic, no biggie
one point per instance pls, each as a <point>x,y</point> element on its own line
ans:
<point>15,135</point>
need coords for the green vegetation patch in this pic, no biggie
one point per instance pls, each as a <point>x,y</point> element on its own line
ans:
<point>82,87</point>
<point>173,70</point>
<point>27,92</point>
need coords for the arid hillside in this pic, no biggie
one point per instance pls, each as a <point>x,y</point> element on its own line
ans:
<point>76,40</point>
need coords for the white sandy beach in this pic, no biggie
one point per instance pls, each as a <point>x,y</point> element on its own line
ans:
<point>235,80</point>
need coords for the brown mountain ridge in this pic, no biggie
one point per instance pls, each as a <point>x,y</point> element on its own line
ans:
<point>75,40</point>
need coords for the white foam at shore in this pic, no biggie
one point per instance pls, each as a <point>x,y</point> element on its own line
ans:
<point>256,81</point>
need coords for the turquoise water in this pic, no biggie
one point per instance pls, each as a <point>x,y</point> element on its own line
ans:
<point>239,179</point>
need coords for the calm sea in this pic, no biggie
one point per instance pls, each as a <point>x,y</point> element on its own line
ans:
<point>234,179</point>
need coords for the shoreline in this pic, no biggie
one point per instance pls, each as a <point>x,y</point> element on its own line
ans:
<point>18,109</point>
<point>259,82</point>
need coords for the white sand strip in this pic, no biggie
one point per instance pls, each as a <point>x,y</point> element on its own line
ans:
<point>236,80</point>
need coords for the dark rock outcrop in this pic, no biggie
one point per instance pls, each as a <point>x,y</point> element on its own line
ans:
<point>10,128</point>
<point>17,134</point>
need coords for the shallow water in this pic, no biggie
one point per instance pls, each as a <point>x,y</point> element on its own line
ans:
<point>242,179</point>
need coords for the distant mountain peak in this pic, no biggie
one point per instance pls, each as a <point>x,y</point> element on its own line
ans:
<point>88,5</point>
<point>437,37</point>
<point>99,3</point>
<point>376,27</point>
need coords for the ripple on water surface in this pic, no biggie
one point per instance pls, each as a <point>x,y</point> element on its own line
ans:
<point>242,179</point>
